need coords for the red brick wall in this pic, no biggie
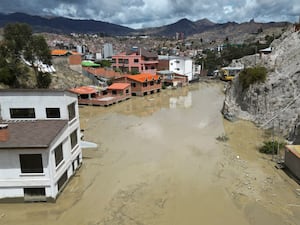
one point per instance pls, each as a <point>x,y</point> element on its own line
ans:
<point>74,59</point>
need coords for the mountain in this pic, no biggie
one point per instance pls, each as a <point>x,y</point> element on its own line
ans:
<point>188,27</point>
<point>64,25</point>
<point>185,26</point>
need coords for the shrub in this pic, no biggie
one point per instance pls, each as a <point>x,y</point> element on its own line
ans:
<point>43,80</point>
<point>252,75</point>
<point>270,147</point>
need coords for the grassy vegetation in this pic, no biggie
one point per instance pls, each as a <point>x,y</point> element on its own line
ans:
<point>252,75</point>
<point>271,147</point>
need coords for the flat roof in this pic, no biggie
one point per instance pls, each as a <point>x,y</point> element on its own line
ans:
<point>32,133</point>
<point>295,149</point>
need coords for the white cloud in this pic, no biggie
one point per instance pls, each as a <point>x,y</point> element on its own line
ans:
<point>147,13</point>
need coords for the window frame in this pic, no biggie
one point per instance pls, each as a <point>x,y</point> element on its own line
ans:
<point>51,114</point>
<point>74,137</point>
<point>24,165</point>
<point>58,156</point>
<point>13,111</point>
<point>72,111</point>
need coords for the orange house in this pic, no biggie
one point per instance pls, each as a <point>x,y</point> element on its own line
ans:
<point>142,84</point>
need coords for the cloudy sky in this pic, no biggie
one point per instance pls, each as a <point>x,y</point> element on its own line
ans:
<point>149,13</point>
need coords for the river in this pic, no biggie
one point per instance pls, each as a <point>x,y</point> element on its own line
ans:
<point>159,162</point>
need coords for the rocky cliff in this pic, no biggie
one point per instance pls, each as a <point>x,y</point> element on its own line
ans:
<point>276,102</point>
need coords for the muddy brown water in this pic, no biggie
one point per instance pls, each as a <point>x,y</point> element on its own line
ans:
<point>159,162</point>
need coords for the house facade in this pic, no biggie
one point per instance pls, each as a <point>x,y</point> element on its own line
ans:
<point>137,60</point>
<point>91,95</point>
<point>180,65</point>
<point>39,143</point>
<point>142,84</point>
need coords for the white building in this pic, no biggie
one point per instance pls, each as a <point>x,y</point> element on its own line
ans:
<point>181,65</point>
<point>39,143</point>
<point>108,51</point>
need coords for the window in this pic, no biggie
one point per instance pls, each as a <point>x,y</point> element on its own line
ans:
<point>136,60</point>
<point>151,83</point>
<point>120,61</point>
<point>113,61</point>
<point>62,180</point>
<point>114,92</point>
<point>74,139</point>
<point>34,192</point>
<point>133,84</point>
<point>53,112</point>
<point>21,113</point>
<point>71,109</point>
<point>127,91</point>
<point>31,163</point>
<point>58,153</point>
<point>126,61</point>
<point>145,84</point>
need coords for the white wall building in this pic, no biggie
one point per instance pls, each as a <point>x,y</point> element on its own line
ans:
<point>183,66</point>
<point>39,143</point>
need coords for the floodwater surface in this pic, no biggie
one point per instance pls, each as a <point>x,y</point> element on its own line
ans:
<point>159,162</point>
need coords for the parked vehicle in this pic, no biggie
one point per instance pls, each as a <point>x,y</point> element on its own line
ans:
<point>228,73</point>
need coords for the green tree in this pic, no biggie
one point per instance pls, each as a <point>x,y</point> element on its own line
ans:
<point>20,42</point>
<point>105,63</point>
<point>37,51</point>
<point>43,80</point>
<point>16,36</point>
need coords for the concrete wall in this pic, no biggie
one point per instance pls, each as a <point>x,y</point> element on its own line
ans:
<point>292,162</point>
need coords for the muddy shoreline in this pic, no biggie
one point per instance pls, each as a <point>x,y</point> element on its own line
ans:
<point>159,162</point>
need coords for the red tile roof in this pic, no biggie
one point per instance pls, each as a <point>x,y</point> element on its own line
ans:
<point>84,90</point>
<point>118,86</point>
<point>143,77</point>
<point>59,52</point>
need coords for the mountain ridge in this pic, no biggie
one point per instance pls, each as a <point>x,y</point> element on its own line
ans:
<point>184,25</point>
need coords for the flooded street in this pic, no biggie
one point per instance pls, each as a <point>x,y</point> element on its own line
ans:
<point>159,162</point>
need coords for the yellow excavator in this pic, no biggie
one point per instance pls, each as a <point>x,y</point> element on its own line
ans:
<point>228,73</point>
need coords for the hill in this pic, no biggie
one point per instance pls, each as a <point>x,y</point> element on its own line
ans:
<point>275,102</point>
<point>188,27</point>
<point>64,25</point>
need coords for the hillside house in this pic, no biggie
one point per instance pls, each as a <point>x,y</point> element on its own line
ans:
<point>180,65</point>
<point>39,143</point>
<point>136,60</point>
<point>91,95</point>
<point>142,84</point>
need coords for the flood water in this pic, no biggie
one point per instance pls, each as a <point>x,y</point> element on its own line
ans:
<point>159,162</point>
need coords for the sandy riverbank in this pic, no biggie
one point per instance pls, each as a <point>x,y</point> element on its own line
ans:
<point>159,162</point>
